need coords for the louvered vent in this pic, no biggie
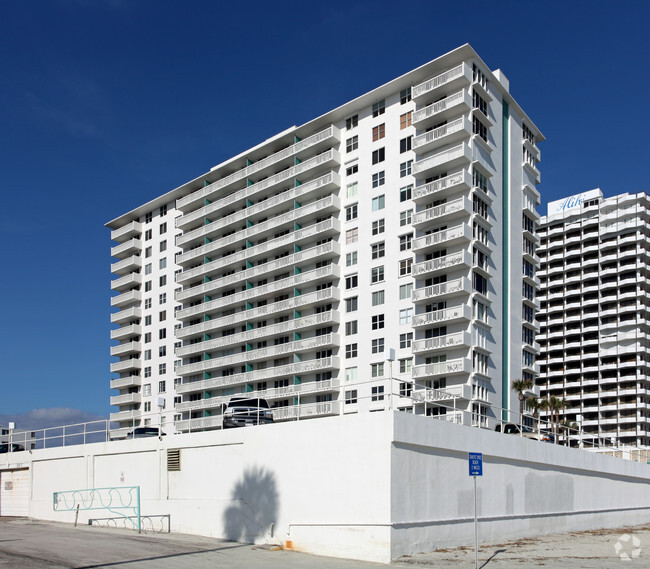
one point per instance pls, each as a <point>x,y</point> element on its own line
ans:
<point>173,459</point>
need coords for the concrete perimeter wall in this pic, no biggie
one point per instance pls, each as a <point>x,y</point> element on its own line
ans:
<point>371,486</point>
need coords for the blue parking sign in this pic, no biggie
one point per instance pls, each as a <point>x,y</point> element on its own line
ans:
<point>476,464</point>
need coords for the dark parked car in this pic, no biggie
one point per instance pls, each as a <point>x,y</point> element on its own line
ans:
<point>144,432</point>
<point>15,447</point>
<point>243,412</point>
<point>525,431</point>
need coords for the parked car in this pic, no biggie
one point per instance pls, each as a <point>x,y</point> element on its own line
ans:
<point>15,447</point>
<point>525,431</point>
<point>243,412</point>
<point>145,432</point>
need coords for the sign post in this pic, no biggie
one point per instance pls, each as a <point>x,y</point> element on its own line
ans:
<point>475,469</point>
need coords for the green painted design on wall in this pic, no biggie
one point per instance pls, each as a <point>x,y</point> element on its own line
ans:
<point>207,375</point>
<point>249,162</point>
<point>206,337</point>
<point>207,395</point>
<point>296,140</point>
<point>249,347</point>
<point>296,336</point>
<point>206,183</point>
<point>249,388</point>
<point>296,314</point>
<point>249,305</point>
<point>297,270</point>
<point>296,292</point>
<point>296,204</point>
<point>249,182</point>
<point>297,358</point>
<point>297,183</point>
<point>249,367</point>
<point>297,380</point>
<point>297,226</point>
<point>505,277</point>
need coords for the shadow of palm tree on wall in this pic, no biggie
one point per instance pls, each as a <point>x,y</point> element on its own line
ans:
<point>254,507</point>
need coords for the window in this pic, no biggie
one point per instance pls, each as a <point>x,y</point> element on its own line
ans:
<point>350,396</point>
<point>352,235</point>
<point>377,226</point>
<point>405,389</point>
<point>527,358</point>
<point>528,291</point>
<point>405,340</point>
<point>479,77</point>
<point>527,335</point>
<point>378,179</point>
<point>162,351</point>
<point>405,365</point>
<point>148,217</point>
<point>163,246</point>
<point>377,322</point>
<point>480,259</point>
<point>479,128</point>
<point>351,351</point>
<point>162,334</point>
<point>405,291</point>
<point>479,180</point>
<point>378,250</point>
<point>147,286</point>
<point>405,217</point>
<point>352,144</point>
<point>162,281</point>
<point>351,328</point>
<point>528,224</point>
<point>162,386</point>
<point>405,168</point>
<point>162,298</point>
<point>377,393</point>
<point>377,346</point>
<point>377,370</point>
<point>351,212</point>
<point>405,267</point>
<point>147,269</point>
<point>377,274</point>
<point>379,108</point>
<point>378,155</point>
<point>405,193</point>
<point>528,269</point>
<point>352,169</point>
<point>405,144</point>
<point>378,203</point>
<point>350,374</point>
<point>378,298</point>
<point>351,281</point>
<point>163,210</point>
<point>148,234</point>
<point>147,372</point>
<point>147,338</point>
<point>162,369</point>
<point>351,259</point>
<point>352,190</point>
<point>352,304</point>
<point>480,233</point>
<point>147,355</point>
<point>162,263</point>
<point>480,311</point>
<point>163,228</point>
<point>479,206</point>
<point>404,96</point>
<point>479,102</point>
<point>162,316</point>
<point>352,122</point>
<point>378,132</point>
<point>146,389</point>
<point>147,252</point>
<point>405,120</point>
<point>527,313</point>
<point>147,303</point>
<point>480,283</point>
<point>480,362</point>
<point>147,406</point>
<point>405,316</point>
<point>405,241</point>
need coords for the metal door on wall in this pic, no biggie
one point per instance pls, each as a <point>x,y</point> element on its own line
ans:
<point>14,492</point>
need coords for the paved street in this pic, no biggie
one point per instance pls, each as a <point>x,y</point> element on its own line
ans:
<point>28,544</point>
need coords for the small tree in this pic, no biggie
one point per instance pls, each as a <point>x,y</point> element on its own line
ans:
<point>521,385</point>
<point>533,403</point>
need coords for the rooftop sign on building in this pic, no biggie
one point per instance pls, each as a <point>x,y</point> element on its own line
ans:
<point>572,203</point>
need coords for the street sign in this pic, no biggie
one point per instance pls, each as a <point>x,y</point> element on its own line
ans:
<point>476,464</point>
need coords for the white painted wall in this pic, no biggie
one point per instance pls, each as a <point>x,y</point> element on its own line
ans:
<point>369,486</point>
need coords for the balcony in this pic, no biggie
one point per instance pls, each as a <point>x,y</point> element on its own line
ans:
<point>127,398</point>
<point>307,410</point>
<point>450,393</point>
<point>126,331</point>
<point>455,157</point>
<point>453,131</point>
<point>126,365</point>
<point>129,230</point>
<point>439,111</point>
<point>450,288</point>
<point>458,339</point>
<point>455,209</point>
<point>329,135</point>
<point>447,315</point>
<point>126,315</point>
<point>126,299</point>
<point>451,367</point>
<point>460,259</point>
<point>199,424</point>
<point>124,416</point>
<point>123,382</point>
<point>458,234</point>
<point>127,282</point>
<point>126,348</point>
<point>457,77</point>
<point>132,263</point>
<point>451,184</point>
<point>128,247</point>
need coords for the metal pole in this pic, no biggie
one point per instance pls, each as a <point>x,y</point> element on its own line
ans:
<point>475,527</point>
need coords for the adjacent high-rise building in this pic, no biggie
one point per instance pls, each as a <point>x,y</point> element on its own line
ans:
<point>595,314</point>
<point>381,255</point>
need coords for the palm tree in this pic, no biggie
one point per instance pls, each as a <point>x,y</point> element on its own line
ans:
<point>543,405</point>
<point>556,404</point>
<point>532,402</point>
<point>521,385</point>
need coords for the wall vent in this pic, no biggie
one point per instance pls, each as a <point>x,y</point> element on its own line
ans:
<point>173,459</point>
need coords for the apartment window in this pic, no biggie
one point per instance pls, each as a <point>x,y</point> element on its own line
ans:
<point>528,269</point>
<point>405,168</point>
<point>147,303</point>
<point>377,370</point>
<point>163,228</point>
<point>378,298</point>
<point>352,190</point>
<point>163,210</point>
<point>352,144</point>
<point>377,393</point>
<point>147,252</point>
<point>406,365</point>
<point>162,263</point>
<point>377,274</point>
<point>480,283</point>
<point>350,374</point>
<point>480,362</point>
<point>353,169</point>
<point>148,235</point>
<point>377,322</point>
<point>480,311</point>
<point>351,328</point>
<point>162,386</point>
<point>479,128</point>
<point>405,96</point>
<point>163,246</point>
<point>147,406</point>
<point>147,372</point>
<point>350,396</point>
<point>480,233</point>
<point>378,155</point>
<point>405,316</point>
<point>479,77</point>
<point>528,291</point>
<point>378,227</point>
<point>405,389</point>
<point>351,259</point>
<point>378,179</point>
<point>527,358</point>
<point>148,217</point>
<point>147,337</point>
<point>405,241</point>
<point>162,298</point>
<point>378,132</point>
<point>147,269</point>
<point>405,193</point>
<point>351,212</point>
<point>147,355</point>
<point>146,389</point>
<point>479,103</point>
<point>479,207</point>
<point>528,224</point>
<point>479,180</point>
<point>352,304</point>
<point>352,122</point>
<point>162,351</point>
<point>378,203</point>
<point>162,281</point>
<point>405,267</point>
<point>377,345</point>
<point>351,350</point>
<point>527,313</point>
<point>405,144</point>
<point>352,235</point>
<point>351,281</point>
<point>379,108</point>
<point>480,259</point>
<point>527,335</point>
<point>162,369</point>
<point>162,333</point>
<point>162,316</point>
<point>405,340</point>
<point>378,250</point>
<point>405,217</point>
<point>405,120</point>
<point>405,291</point>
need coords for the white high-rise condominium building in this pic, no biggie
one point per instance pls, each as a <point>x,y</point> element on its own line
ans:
<point>399,224</point>
<point>595,311</point>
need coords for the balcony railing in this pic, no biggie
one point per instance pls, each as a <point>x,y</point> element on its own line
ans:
<point>448,394</point>
<point>447,341</point>
<point>126,399</point>
<point>128,281</point>
<point>124,416</point>
<point>127,247</point>
<point>127,348</point>
<point>442,263</point>
<point>445,134</point>
<point>449,287</point>
<point>462,73</point>
<point>124,315</point>
<point>457,208</point>
<point>454,181</point>
<point>460,365</point>
<point>128,230</point>
<point>126,365</point>
<point>448,158</point>
<point>123,382</point>
<point>460,312</point>
<point>125,331</point>
<point>126,298</point>
<point>127,265</point>
<point>199,424</point>
<point>456,234</point>
<point>304,411</point>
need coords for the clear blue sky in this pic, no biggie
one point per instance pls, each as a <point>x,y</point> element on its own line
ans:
<point>105,104</point>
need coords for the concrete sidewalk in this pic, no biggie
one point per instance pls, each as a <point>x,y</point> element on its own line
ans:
<point>30,544</point>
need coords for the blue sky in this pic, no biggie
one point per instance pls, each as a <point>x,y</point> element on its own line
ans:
<point>105,104</point>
